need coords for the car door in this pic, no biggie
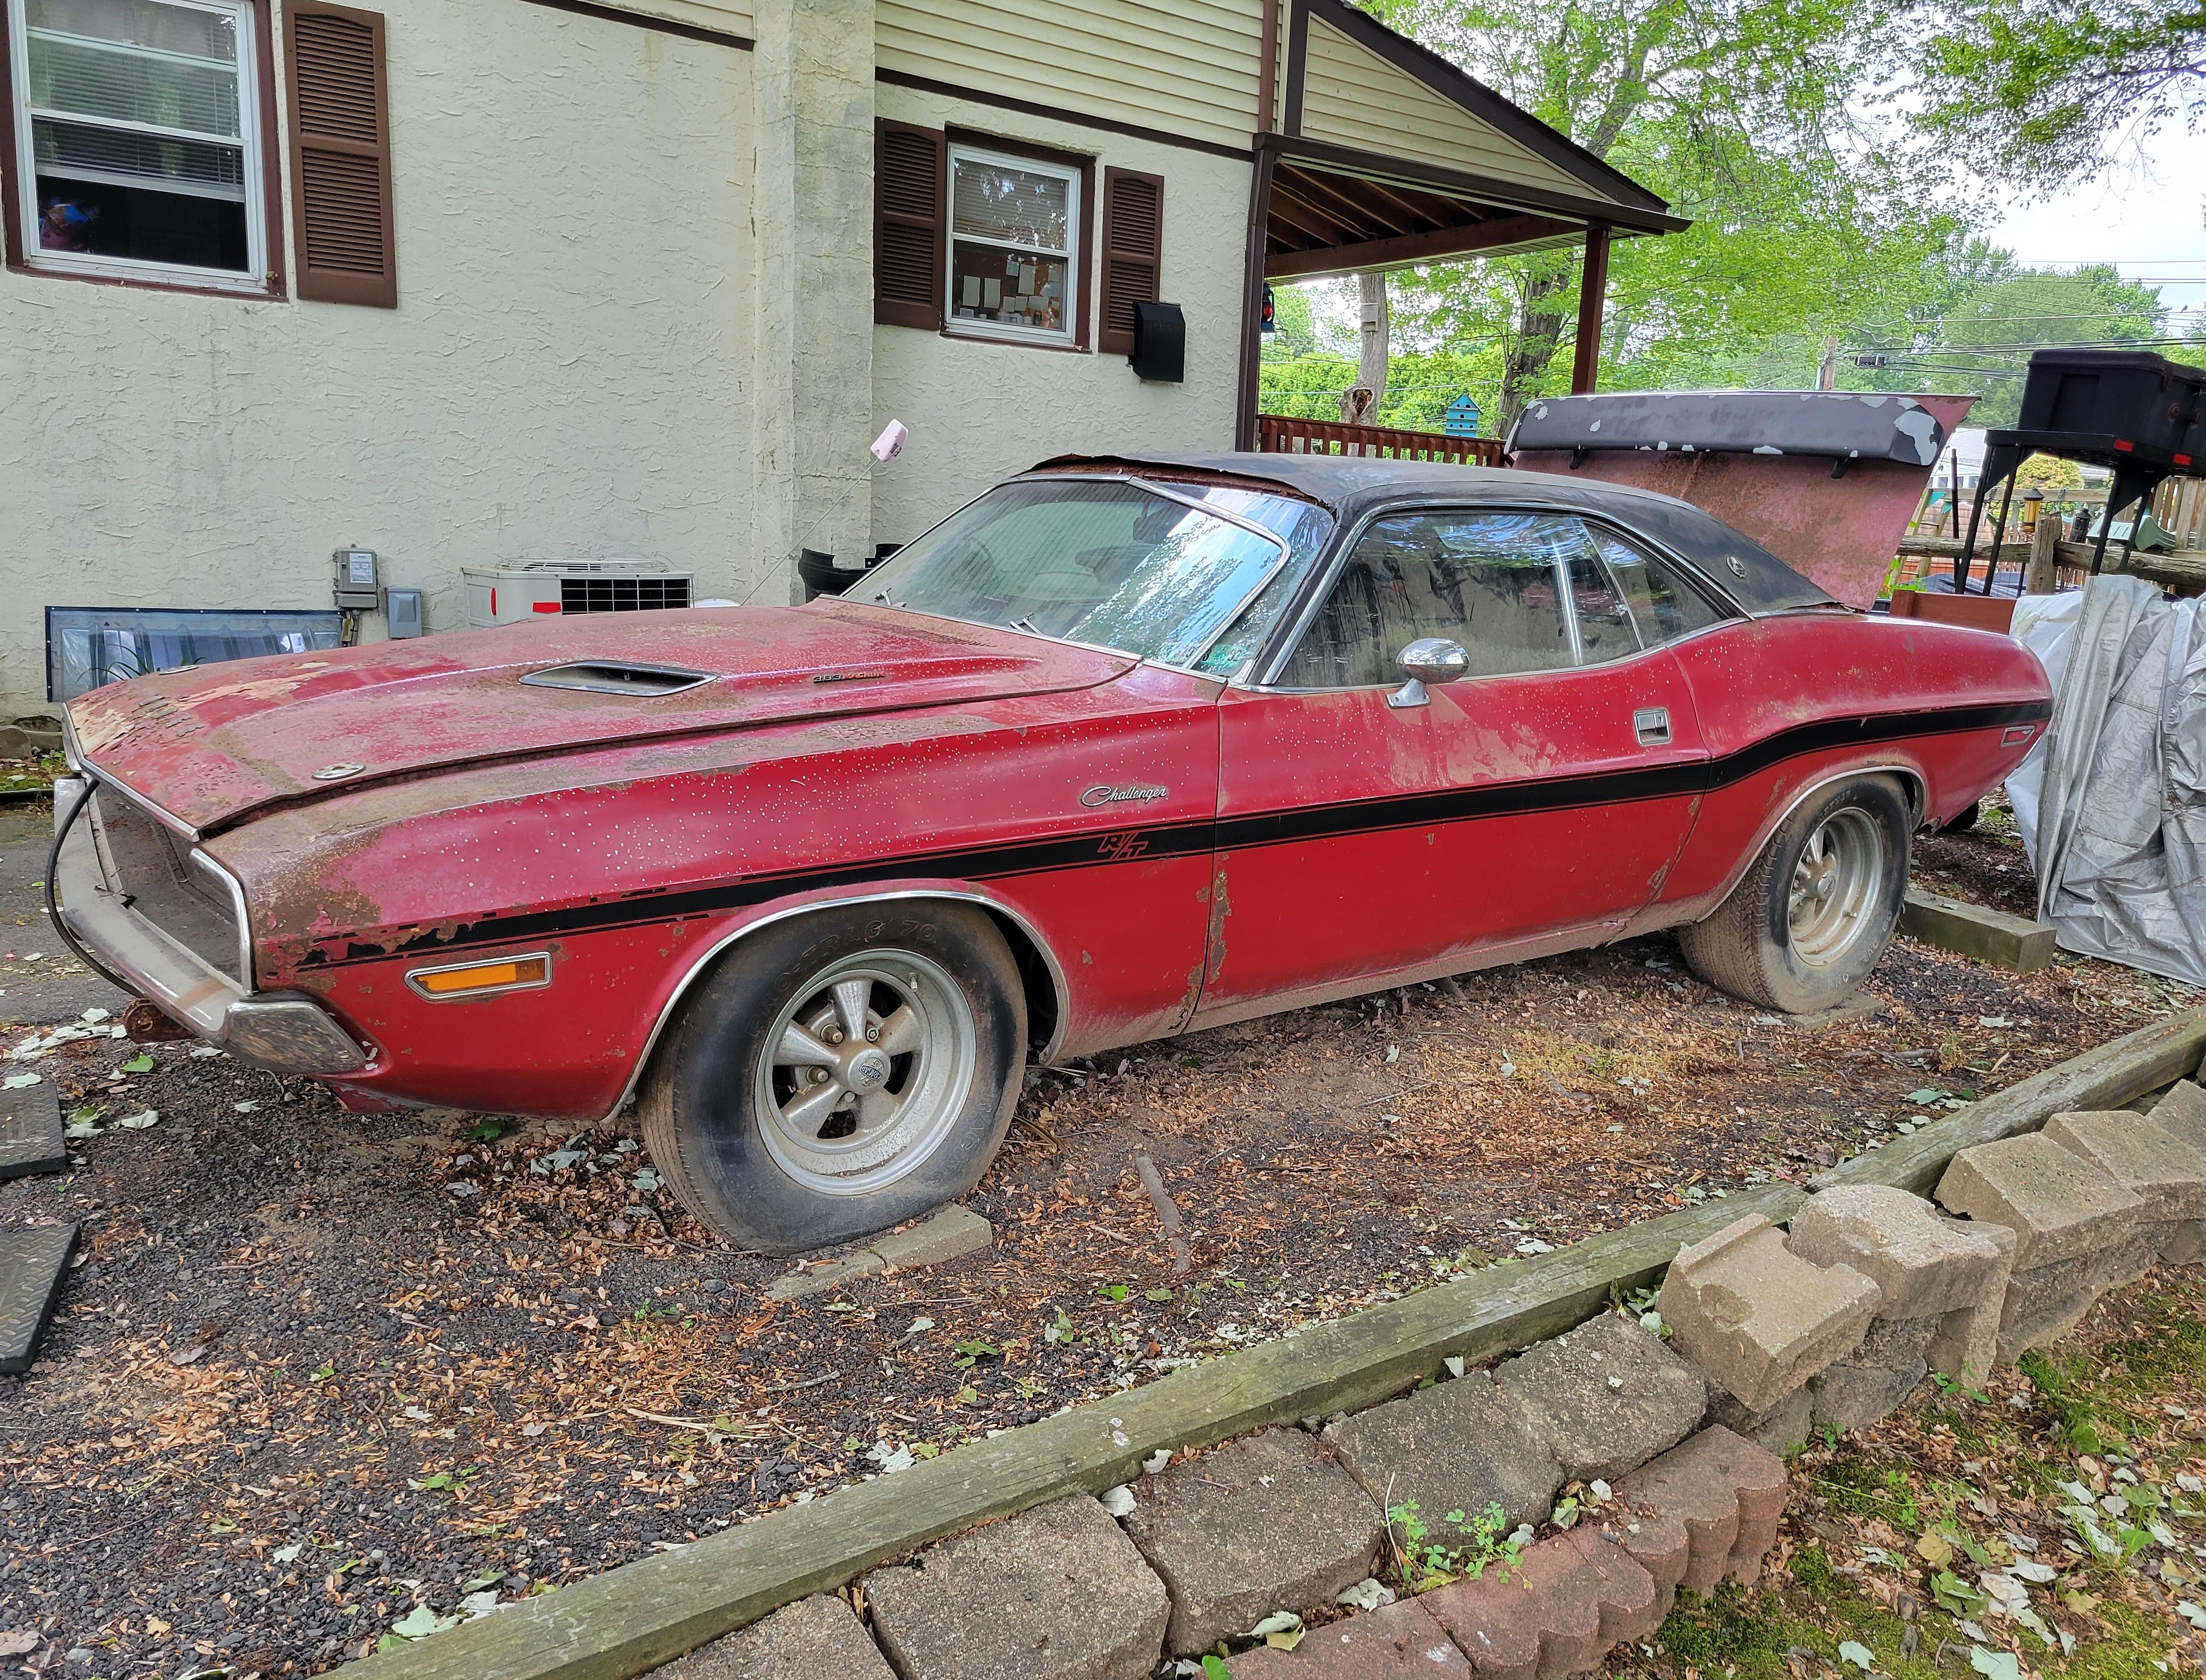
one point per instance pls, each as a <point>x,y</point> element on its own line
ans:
<point>1537,803</point>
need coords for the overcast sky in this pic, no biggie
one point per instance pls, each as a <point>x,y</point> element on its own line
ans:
<point>2147,215</point>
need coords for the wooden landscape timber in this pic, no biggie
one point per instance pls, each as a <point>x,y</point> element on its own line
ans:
<point>1990,936</point>
<point>633,1618</point>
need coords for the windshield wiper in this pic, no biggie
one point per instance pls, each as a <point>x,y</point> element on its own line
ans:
<point>1026,624</point>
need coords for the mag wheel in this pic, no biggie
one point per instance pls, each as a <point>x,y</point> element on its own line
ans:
<point>838,1073</point>
<point>1814,913</point>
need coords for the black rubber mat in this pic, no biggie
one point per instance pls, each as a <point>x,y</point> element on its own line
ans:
<point>31,1131</point>
<point>33,1260</point>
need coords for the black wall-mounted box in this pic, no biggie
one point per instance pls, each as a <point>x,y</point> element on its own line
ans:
<point>1159,342</point>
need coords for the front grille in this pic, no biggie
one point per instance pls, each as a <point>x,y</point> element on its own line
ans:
<point>621,594</point>
<point>152,870</point>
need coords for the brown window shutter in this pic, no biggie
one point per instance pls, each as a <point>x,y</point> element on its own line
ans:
<point>911,166</point>
<point>340,125</point>
<point>1133,252</point>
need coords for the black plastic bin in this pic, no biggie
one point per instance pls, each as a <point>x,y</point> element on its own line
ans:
<point>2144,399</point>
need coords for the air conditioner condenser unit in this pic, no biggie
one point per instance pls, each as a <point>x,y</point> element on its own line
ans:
<point>527,588</point>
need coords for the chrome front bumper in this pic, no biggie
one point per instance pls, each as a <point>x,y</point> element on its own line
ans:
<point>284,1031</point>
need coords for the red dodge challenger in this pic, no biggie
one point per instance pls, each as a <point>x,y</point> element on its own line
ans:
<point>1127,747</point>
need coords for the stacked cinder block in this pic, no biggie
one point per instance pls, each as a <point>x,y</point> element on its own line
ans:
<point>1558,1613</point>
<point>2182,1112</point>
<point>1760,1321</point>
<point>1726,1494</point>
<point>1702,1511</point>
<point>1941,1286</point>
<point>1594,1402</point>
<point>1058,1593</point>
<point>2165,1172</point>
<point>1265,1523</point>
<point>2077,1230</point>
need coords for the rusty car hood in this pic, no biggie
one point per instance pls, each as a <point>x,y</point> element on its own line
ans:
<point>210,744</point>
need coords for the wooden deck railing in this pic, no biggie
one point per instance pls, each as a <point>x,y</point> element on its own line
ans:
<point>1280,434</point>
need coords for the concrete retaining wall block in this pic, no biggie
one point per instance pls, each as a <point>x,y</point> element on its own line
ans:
<point>1757,1318</point>
<point>2165,1172</point>
<point>1780,1427</point>
<point>1943,1284</point>
<point>1056,1592</point>
<point>1557,1613</point>
<point>812,1639</point>
<point>2079,1232</point>
<point>1401,1640</point>
<point>1262,1524</point>
<point>1606,1397</point>
<point>1460,1445</point>
<point>2057,1204</point>
<point>1727,1492</point>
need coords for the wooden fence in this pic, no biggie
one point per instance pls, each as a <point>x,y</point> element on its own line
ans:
<point>1281,434</point>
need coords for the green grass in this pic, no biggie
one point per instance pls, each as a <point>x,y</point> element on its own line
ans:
<point>1892,1485</point>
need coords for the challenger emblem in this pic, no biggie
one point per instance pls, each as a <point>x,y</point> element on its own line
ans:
<point>1133,793</point>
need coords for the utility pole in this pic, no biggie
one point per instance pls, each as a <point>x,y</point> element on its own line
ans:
<point>1827,375</point>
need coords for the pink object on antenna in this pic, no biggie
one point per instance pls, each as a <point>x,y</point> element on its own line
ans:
<point>890,444</point>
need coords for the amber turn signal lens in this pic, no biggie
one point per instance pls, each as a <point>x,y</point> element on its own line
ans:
<point>514,971</point>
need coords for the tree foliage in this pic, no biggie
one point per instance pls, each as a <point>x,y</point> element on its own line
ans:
<point>2044,93</point>
<point>1739,112</point>
<point>1807,230</point>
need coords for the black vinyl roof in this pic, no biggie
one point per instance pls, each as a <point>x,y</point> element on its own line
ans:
<point>1353,485</point>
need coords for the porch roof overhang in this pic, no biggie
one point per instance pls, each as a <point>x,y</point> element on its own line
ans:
<point>1332,209</point>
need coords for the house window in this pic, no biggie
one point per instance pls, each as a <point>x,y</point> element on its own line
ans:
<point>1012,224</point>
<point>138,138</point>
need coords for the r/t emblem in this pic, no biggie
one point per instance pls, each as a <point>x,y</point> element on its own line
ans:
<point>1118,848</point>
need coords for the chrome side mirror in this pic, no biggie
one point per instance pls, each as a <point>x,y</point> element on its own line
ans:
<point>1428,659</point>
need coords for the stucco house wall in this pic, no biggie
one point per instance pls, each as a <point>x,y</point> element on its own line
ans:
<point>979,410</point>
<point>569,373</point>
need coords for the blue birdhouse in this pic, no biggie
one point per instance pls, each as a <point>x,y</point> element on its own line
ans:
<point>1462,417</point>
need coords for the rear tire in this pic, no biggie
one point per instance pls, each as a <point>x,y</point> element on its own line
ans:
<point>839,1073</point>
<point>1966,821</point>
<point>1814,914</point>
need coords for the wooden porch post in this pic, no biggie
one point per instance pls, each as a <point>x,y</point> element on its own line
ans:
<point>1252,297</point>
<point>1593,289</point>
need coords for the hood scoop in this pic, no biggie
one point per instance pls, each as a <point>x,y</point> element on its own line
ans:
<point>616,676</point>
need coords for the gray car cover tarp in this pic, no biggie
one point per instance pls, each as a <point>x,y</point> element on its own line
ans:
<point>2112,803</point>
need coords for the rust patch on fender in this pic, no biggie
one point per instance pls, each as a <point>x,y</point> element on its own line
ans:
<point>1221,906</point>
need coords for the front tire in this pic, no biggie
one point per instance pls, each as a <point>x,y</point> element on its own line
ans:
<point>838,1073</point>
<point>1814,914</point>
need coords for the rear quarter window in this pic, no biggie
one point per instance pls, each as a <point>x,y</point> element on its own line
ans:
<point>1748,573</point>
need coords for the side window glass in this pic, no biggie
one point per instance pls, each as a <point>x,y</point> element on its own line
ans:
<point>1487,580</point>
<point>1605,625</point>
<point>1664,603</point>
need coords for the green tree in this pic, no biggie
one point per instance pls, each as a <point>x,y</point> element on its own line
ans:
<point>1738,112</point>
<point>1985,340</point>
<point>2043,92</point>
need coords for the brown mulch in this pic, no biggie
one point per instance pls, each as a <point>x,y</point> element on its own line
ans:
<point>315,1369</point>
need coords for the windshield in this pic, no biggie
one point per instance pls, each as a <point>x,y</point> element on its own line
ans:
<point>1114,563</point>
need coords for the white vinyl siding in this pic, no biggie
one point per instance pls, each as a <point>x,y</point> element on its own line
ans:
<point>1188,67</point>
<point>728,17</point>
<point>1353,96</point>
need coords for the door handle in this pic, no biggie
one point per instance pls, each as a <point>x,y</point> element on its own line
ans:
<point>1651,724</point>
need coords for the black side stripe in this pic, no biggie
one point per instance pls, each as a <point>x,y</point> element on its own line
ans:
<point>1612,787</point>
<point>1201,837</point>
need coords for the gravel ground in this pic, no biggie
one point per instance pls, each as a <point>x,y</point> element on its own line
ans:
<point>316,1371</point>
<point>40,980</point>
